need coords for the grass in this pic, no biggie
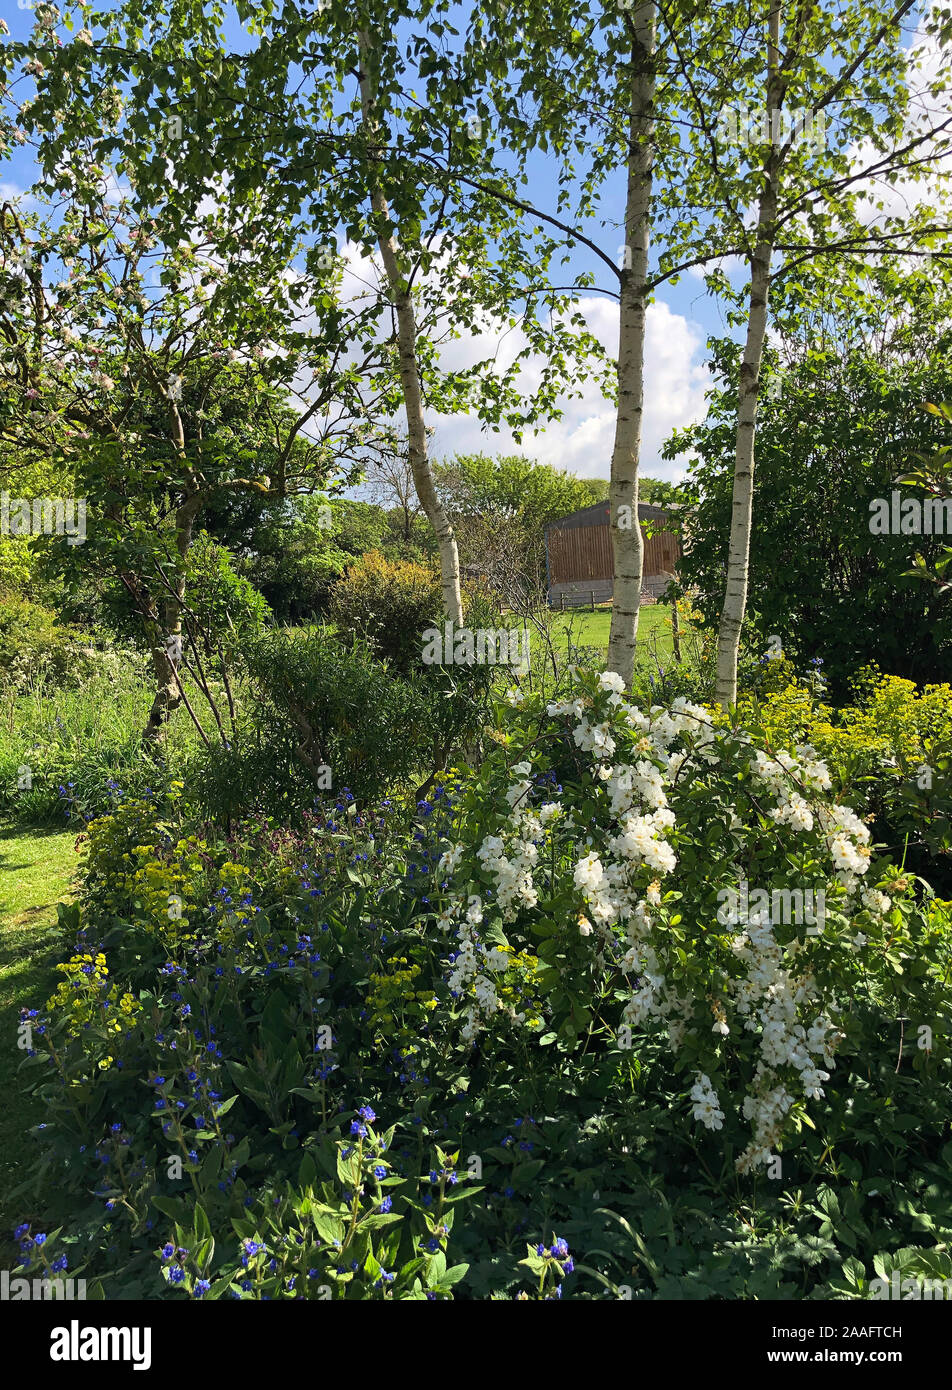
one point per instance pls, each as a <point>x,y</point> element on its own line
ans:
<point>37,866</point>
<point>583,628</point>
<point>79,739</point>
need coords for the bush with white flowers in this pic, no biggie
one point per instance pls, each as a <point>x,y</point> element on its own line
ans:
<point>671,878</point>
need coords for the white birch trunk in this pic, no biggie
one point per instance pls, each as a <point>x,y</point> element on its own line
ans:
<point>742,509</point>
<point>627,543</point>
<point>409,371</point>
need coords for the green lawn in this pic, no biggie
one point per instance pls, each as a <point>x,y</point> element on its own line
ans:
<point>37,866</point>
<point>583,628</point>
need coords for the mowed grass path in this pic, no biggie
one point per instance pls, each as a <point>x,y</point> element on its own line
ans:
<point>37,867</point>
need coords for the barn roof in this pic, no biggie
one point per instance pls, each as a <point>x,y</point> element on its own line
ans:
<point>592,516</point>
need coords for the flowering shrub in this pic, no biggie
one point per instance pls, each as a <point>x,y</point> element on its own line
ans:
<point>892,749</point>
<point>667,873</point>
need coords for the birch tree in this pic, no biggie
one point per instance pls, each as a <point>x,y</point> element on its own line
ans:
<point>841,117</point>
<point>607,87</point>
<point>627,544</point>
<point>399,282</point>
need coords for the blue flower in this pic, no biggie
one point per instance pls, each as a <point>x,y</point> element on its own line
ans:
<point>386,1204</point>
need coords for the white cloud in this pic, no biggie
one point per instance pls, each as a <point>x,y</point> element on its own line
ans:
<point>18,197</point>
<point>581,442</point>
<point>732,266</point>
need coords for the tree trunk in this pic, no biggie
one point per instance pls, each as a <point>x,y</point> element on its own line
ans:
<point>627,543</point>
<point>409,368</point>
<point>166,636</point>
<point>742,510</point>
<point>167,697</point>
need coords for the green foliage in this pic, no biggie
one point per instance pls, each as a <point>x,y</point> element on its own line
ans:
<point>38,651</point>
<point>891,748</point>
<point>294,552</point>
<point>362,1233</point>
<point>520,489</point>
<point>844,425</point>
<point>388,603</point>
<point>933,474</point>
<point>326,716</point>
<point>224,611</point>
<point>658,492</point>
<point>189,1160</point>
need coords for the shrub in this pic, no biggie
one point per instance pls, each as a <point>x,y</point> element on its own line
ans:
<point>328,717</point>
<point>620,848</point>
<point>36,650</point>
<point>387,603</point>
<point>225,611</point>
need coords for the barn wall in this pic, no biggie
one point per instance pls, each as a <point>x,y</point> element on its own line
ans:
<point>585,552</point>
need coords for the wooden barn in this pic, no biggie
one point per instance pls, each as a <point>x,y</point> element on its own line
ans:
<point>578,554</point>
